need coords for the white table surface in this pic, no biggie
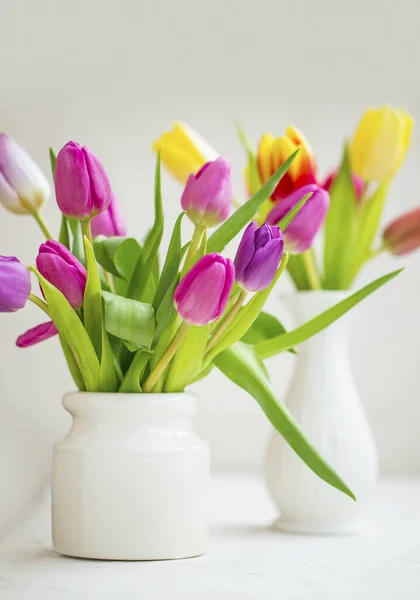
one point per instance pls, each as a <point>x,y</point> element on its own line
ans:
<point>246,559</point>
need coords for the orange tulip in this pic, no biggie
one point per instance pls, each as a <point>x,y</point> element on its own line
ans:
<point>272,152</point>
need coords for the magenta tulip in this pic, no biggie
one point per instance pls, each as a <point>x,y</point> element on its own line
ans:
<point>23,186</point>
<point>63,270</point>
<point>207,196</point>
<point>15,284</point>
<point>202,295</point>
<point>300,233</point>
<point>258,256</point>
<point>37,334</point>
<point>82,186</point>
<point>402,236</point>
<point>110,222</point>
<point>358,183</point>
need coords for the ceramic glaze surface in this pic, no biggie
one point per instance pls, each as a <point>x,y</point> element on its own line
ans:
<point>130,478</point>
<point>324,400</point>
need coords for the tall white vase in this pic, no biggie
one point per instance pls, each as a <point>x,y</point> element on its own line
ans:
<point>324,400</point>
<point>130,478</point>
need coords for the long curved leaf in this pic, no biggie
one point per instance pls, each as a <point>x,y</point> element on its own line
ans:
<point>171,265</point>
<point>242,366</point>
<point>233,225</point>
<point>286,341</point>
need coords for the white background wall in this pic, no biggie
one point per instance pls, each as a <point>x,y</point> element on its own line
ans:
<point>113,75</point>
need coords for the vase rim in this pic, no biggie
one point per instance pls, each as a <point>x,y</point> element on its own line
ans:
<point>155,405</point>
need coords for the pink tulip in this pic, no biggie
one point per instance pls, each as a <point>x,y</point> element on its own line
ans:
<point>82,187</point>
<point>402,236</point>
<point>63,270</point>
<point>300,233</point>
<point>207,196</point>
<point>202,295</point>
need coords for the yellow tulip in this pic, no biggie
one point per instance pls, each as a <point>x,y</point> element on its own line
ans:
<point>184,151</point>
<point>380,143</point>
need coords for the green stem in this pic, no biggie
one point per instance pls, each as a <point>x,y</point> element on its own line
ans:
<point>192,250</point>
<point>311,270</point>
<point>43,225</point>
<point>86,230</point>
<point>226,322</point>
<point>40,303</point>
<point>166,358</point>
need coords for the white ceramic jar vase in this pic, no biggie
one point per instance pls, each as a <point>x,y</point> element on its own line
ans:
<point>130,479</point>
<point>324,400</point>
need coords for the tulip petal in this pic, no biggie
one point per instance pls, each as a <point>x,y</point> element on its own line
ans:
<point>15,284</point>
<point>100,188</point>
<point>245,250</point>
<point>37,334</point>
<point>263,266</point>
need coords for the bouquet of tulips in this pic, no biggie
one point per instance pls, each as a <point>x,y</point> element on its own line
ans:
<point>347,204</point>
<point>128,324</point>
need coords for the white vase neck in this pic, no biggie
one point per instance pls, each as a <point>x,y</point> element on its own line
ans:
<point>306,305</point>
<point>136,406</point>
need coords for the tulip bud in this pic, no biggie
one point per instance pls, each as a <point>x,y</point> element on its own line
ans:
<point>15,284</point>
<point>110,222</point>
<point>358,184</point>
<point>380,143</point>
<point>201,296</point>
<point>63,271</point>
<point>402,236</point>
<point>184,151</point>
<point>272,152</point>
<point>82,187</point>
<point>300,233</point>
<point>258,256</point>
<point>23,187</point>
<point>37,334</point>
<point>207,196</point>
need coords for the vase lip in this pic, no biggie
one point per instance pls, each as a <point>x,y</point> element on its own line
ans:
<point>181,404</point>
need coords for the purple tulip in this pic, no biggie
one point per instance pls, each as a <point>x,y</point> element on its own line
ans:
<point>82,187</point>
<point>63,270</point>
<point>258,256</point>
<point>110,222</point>
<point>202,295</point>
<point>15,284</point>
<point>300,233</point>
<point>23,187</point>
<point>207,196</point>
<point>37,334</point>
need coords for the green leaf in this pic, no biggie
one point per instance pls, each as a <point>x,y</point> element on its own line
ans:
<point>246,317</point>
<point>53,161</point>
<point>142,275</point>
<point>297,271</point>
<point>92,302</point>
<point>131,382</point>
<point>369,219</point>
<point>64,237</point>
<point>243,215</point>
<point>117,255</point>
<point>285,341</point>
<point>253,176</point>
<point>72,364</point>
<point>186,364</point>
<point>265,327</point>
<point>71,329</point>
<point>171,265</point>
<point>242,366</point>
<point>107,377</point>
<point>288,218</point>
<point>129,320</point>
<point>340,228</point>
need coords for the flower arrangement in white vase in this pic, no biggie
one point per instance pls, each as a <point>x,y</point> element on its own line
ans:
<point>323,397</point>
<point>129,479</point>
